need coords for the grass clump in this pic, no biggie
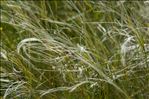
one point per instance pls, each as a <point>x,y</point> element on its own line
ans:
<point>74,49</point>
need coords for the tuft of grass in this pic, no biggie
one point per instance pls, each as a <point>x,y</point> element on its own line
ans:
<point>74,49</point>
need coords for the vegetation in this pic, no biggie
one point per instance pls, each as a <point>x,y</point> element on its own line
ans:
<point>74,49</point>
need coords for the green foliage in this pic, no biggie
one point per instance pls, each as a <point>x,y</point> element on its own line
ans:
<point>74,49</point>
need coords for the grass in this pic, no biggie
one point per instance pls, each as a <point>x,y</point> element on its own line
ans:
<point>74,49</point>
